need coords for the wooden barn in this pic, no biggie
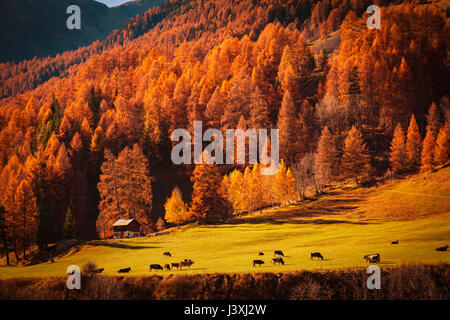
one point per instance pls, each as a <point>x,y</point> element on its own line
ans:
<point>126,228</point>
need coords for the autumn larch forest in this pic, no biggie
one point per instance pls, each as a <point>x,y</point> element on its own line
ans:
<point>85,134</point>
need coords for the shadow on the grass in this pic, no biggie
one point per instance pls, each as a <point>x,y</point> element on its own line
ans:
<point>121,245</point>
<point>297,221</point>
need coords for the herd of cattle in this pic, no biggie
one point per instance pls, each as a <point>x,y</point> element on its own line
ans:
<point>277,260</point>
<point>178,265</point>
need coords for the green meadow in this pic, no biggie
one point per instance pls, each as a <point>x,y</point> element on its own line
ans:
<point>344,225</point>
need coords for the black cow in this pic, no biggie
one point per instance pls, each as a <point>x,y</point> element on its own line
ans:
<point>442,248</point>
<point>278,260</point>
<point>261,254</point>
<point>316,255</point>
<point>167,254</point>
<point>126,270</point>
<point>278,253</point>
<point>394,242</point>
<point>257,262</point>
<point>155,267</point>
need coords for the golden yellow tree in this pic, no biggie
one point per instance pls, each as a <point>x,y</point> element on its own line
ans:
<point>258,188</point>
<point>235,190</point>
<point>248,203</point>
<point>176,209</point>
<point>284,185</point>
<point>291,192</point>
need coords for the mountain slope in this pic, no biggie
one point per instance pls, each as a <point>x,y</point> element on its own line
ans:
<point>38,28</point>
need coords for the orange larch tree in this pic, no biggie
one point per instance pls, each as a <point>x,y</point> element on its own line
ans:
<point>442,153</point>
<point>327,156</point>
<point>429,144</point>
<point>413,144</point>
<point>207,202</point>
<point>355,159</point>
<point>125,190</point>
<point>397,157</point>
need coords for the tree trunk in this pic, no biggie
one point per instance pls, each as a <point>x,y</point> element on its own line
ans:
<point>5,251</point>
<point>15,251</point>
<point>24,251</point>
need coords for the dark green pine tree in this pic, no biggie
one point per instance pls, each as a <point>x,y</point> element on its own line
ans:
<point>353,79</point>
<point>44,131</point>
<point>45,230</point>
<point>4,236</point>
<point>69,226</point>
<point>94,97</point>
<point>354,93</point>
<point>323,59</point>
<point>56,119</point>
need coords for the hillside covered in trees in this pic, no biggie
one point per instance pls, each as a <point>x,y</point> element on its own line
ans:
<point>88,131</point>
<point>32,28</point>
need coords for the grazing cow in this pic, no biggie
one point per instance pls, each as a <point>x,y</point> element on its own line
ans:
<point>372,258</point>
<point>175,265</point>
<point>316,255</point>
<point>167,254</point>
<point>394,242</point>
<point>278,253</point>
<point>278,260</point>
<point>167,267</point>
<point>186,263</point>
<point>261,254</point>
<point>99,270</point>
<point>442,248</point>
<point>155,267</point>
<point>257,262</point>
<point>126,270</point>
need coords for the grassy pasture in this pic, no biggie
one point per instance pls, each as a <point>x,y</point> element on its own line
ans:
<point>344,225</point>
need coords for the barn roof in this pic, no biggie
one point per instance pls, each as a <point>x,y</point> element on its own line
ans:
<point>123,222</point>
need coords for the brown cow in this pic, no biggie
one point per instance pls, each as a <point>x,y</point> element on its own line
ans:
<point>175,265</point>
<point>167,267</point>
<point>186,263</point>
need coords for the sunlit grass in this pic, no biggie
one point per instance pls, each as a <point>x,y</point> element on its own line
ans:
<point>231,248</point>
<point>344,226</point>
